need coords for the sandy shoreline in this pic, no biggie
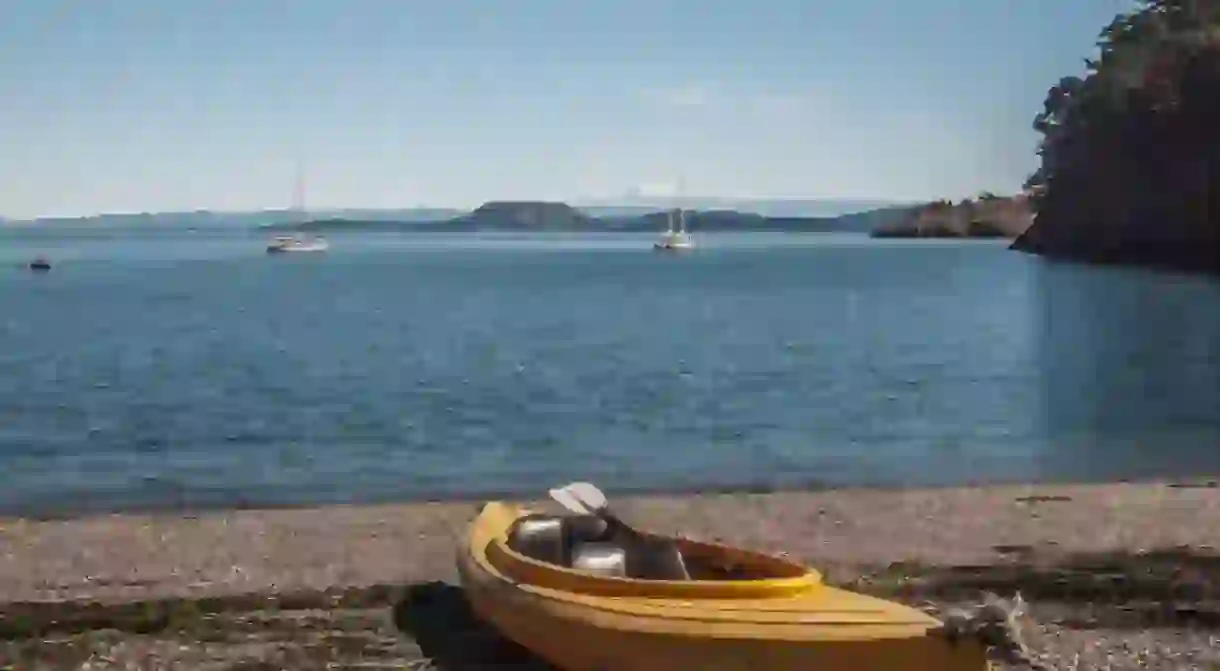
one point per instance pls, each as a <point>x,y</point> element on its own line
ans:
<point>135,557</point>
<point>1119,575</point>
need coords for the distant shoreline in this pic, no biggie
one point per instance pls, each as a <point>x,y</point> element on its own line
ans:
<point>522,216</point>
<point>988,216</point>
<point>68,513</point>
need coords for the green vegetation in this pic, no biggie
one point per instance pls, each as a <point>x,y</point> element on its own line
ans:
<point>1131,152</point>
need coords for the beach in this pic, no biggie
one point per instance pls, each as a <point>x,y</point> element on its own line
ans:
<point>1118,571</point>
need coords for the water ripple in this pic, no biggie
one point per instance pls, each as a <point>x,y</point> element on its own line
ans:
<point>131,378</point>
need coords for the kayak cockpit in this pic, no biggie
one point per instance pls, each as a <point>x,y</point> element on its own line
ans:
<point>586,543</point>
<point>576,553</point>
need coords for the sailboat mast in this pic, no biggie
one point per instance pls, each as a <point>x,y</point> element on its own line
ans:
<point>298,194</point>
<point>681,191</point>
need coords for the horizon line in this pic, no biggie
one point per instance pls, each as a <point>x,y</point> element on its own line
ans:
<point>577,203</point>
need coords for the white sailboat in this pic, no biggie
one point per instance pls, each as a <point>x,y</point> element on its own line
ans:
<point>298,243</point>
<point>679,240</point>
<point>675,241</point>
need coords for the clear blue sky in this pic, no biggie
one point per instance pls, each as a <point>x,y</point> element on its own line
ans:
<point>131,105</point>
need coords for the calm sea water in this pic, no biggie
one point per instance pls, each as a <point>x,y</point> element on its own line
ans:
<point>173,369</point>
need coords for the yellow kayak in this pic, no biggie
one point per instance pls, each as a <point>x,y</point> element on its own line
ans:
<point>584,604</point>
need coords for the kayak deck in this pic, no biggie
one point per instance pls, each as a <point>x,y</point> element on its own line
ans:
<point>776,598</point>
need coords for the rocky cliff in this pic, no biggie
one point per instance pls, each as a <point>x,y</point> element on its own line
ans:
<point>1130,167</point>
<point>987,216</point>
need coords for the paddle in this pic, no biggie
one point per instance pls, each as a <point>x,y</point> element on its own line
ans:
<point>581,497</point>
<point>584,498</point>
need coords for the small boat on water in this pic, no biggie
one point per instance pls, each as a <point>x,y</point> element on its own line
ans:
<point>40,265</point>
<point>297,243</point>
<point>291,243</point>
<point>675,240</point>
<point>587,593</point>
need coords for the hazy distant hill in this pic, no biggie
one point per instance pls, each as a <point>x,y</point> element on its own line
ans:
<point>777,207</point>
<point>414,214</point>
<point>550,216</point>
<point>210,219</point>
<point>525,215</point>
<point>733,220</point>
<point>638,214</point>
<point>627,207</point>
<point>724,221</point>
<point>337,224</point>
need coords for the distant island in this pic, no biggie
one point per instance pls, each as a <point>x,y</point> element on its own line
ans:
<point>878,218</point>
<point>988,216</point>
<point>211,219</point>
<point>525,216</point>
<point>627,208</point>
<point>1130,170</point>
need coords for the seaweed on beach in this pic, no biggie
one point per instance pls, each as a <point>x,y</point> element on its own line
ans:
<point>1164,588</point>
<point>426,625</point>
<point>1082,598</point>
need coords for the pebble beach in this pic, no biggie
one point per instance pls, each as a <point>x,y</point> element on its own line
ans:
<point>1119,575</point>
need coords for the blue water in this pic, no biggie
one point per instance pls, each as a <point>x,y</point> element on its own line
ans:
<point>175,369</point>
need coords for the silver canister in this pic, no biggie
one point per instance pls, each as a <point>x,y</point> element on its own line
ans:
<point>539,538</point>
<point>605,559</point>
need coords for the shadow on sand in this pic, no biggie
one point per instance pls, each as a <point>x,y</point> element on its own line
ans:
<point>438,617</point>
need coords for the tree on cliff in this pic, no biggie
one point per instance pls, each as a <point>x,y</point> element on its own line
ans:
<point>1131,152</point>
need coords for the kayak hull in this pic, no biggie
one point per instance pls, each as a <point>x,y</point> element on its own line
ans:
<point>793,621</point>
